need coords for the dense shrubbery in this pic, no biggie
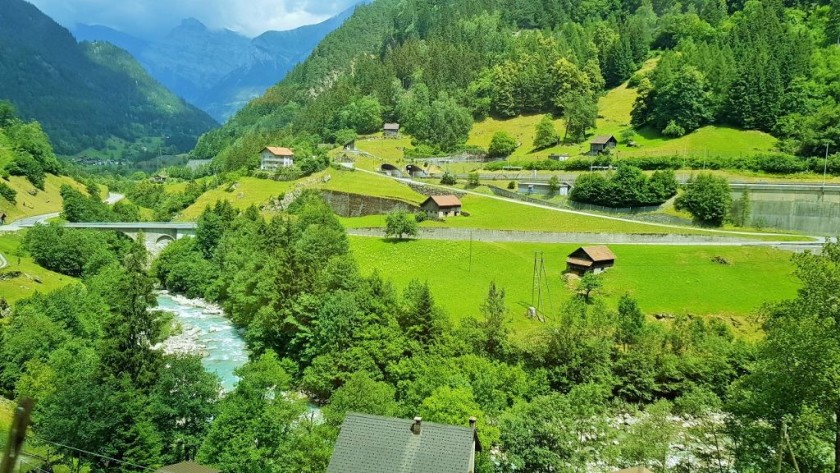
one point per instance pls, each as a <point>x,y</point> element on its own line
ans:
<point>771,163</point>
<point>165,205</point>
<point>708,198</point>
<point>8,193</point>
<point>72,251</point>
<point>627,187</point>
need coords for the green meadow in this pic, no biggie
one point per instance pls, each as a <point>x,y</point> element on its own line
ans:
<point>673,280</point>
<point>33,278</point>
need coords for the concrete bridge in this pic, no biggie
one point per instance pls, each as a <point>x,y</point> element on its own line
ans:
<point>156,235</point>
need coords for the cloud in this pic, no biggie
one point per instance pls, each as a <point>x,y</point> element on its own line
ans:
<point>148,18</point>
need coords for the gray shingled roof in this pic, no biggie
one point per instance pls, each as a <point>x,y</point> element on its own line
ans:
<point>374,444</point>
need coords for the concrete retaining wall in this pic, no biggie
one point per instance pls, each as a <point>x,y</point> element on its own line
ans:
<point>810,209</point>
<point>356,205</point>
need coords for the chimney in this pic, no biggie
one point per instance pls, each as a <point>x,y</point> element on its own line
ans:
<point>415,427</point>
<point>473,420</point>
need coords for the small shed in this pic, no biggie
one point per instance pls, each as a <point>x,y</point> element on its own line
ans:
<point>187,467</point>
<point>544,188</point>
<point>391,130</point>
<point>585,259</point>
<point>601,144</point>
<point>376,444</point>
<point>558,157</point>
<point>273,157</point>
<point>440,206</point>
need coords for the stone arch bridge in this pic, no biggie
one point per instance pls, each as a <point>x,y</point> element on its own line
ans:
<point>156,235</point>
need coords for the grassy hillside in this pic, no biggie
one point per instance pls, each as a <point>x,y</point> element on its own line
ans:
<point>669,280</point>
<point>613,118</point>
<point>249,191</point>
<point>43,202</point>
<point>34,278</point>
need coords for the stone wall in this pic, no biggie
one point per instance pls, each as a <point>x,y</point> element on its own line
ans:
<point>356,205</point>
<point>429,191</point>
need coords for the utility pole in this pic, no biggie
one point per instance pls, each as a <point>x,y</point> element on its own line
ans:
<point>16,435</point>
<point>825,163</point>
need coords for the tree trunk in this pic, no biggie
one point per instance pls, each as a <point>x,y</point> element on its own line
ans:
<point>837,440</point>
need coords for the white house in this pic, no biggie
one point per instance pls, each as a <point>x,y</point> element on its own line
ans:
<point>273,157</point>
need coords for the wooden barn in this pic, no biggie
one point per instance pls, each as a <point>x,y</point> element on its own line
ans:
<point>440,206</point>
<point>391,130</point>
<point>602,144</point>
<point>596,259</point>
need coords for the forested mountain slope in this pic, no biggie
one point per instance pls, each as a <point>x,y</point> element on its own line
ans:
<point>84,94</point>
<point>437,68</point>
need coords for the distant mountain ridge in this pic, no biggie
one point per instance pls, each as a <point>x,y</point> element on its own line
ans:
<point>86,94</point>
<point>218,71</point>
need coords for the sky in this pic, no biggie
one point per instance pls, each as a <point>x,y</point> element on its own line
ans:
<point>150,18</point>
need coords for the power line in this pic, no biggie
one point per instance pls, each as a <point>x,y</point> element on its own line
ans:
<point>96,454</point>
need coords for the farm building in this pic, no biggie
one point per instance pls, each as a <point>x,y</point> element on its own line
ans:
<point>558,157</point>
<point>391,130</point>
<point>186,467</point>
<point>273,157</point>
<point>596,259</point>
<point>544,188</point>
<point>602,144</point>
<point>440,206</point>
<point>375,444</point>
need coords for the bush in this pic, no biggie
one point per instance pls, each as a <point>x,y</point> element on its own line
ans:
<point>502,145</point>
<point>8,193</point>
<point>546,136</point>
<point>708,199</point>
<point>512,185</point>
<point>473,179</point>
<point>448,179</point>
<point>25,165</point>
<point>628,187</point>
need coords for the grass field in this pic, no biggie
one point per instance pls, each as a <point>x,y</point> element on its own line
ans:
<point>249,191</point>
<point>369,184</point>
<point>43,202</point>
<point>25,285</point>
<point>664,279</point>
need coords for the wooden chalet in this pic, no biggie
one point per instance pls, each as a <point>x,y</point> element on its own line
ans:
<point>440,206</point>
<point>595,259</point>
<point>391,130</point>
<point>602,144</point>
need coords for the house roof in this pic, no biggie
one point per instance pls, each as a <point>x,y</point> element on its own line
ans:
<point>278,151</point>
<point>579,261</point>
<point>603,139</point>
<point>444,200</point>
<point>392,126</point>
<point>594,253</point>
<point>374,444</point>
<point>186,467</point>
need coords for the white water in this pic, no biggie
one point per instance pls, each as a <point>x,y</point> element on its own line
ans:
<point>206,332</point>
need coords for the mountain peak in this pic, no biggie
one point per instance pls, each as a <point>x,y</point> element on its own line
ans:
<point>192,23</point>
